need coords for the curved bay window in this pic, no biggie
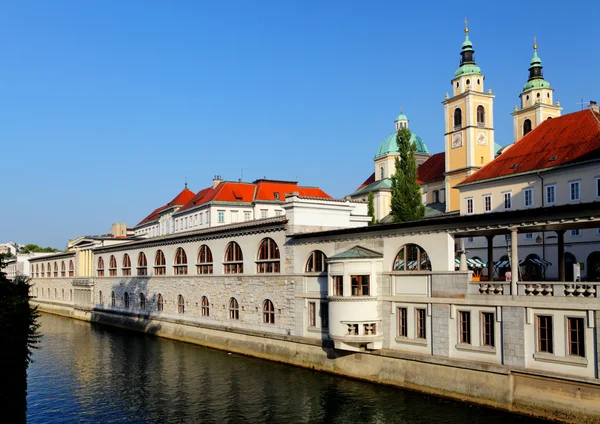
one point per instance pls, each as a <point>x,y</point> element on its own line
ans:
<point>412,258</point>
<point>268,312</point>
<point>316,262</point>
<point>205,307</point>
<point>126,270</point>
<point>55,269</point>
<point>126,300</point>
<point>268,257</point>
<point>71,269</point>
<point>457,118</point>
<point>180,266</point>
<point>112,266</point>
<point>142,264</point>
<point>204,263</point>
<point>160,303</point>
<point>63,269</point>
<point>160,264</point>
<point>480,116</point>
<point>180,304</point>
<point>234,260</point>
<point>142,301</point>
<point>100,267</point>
<point>526,126</point>
<point>234,309</point>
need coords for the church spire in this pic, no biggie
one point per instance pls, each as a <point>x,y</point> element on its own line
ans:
<point>467,61</point>
<point>536,76</point>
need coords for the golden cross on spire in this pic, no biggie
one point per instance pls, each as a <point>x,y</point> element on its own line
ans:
<point>534,43</point>
<point>466,26</point>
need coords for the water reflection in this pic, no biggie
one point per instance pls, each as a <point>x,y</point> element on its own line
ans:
<point>92,374</point>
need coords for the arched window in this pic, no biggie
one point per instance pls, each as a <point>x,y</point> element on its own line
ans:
<point>112,266</point>
<point>63,269</point>
<point>112,299</point>
<point>382,170</point>
<point>480,116</point>
<point>316,262</point>
<point>526,126</point>
<point>160,265</point>
<point>142,264</point>
<point>159,303</point>
<point>126,270</point>
<point>457,118</point>
<point>412,258</point>
<point>142,301</point>
<point>180,304</point>
<point>268,256</point>
<point>234,260</point>
<point>204,263</point>
<point>71,269</point>
<point>100,267</point>
<point>126,299</point>
<point>268,312</point>
<point>43,270</point>
<point>49,270</point>
<point>55,269</point>
<point>205,307</point>
<point>100,300</point>
<point>180,267</point>
<point>234,309</point>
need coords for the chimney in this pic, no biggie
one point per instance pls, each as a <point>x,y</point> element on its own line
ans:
<point>217,180</point>
<point>594,106</point>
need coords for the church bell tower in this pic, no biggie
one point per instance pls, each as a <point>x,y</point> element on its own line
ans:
<point>469,124</point>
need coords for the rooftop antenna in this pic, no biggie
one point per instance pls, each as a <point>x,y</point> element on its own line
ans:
<point>582,103</point>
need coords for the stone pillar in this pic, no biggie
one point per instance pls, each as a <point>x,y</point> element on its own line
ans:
<point>490,257</point>
<point>440,338</point>
<point>514,262</point>
<point>561,255</point>
<point>463,256</point>
<point>513,335</point>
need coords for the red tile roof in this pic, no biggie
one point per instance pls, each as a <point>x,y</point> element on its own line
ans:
<point>432,169</point>
<point>181,199</point>
<point>565,140</point>
<point>368,181</point>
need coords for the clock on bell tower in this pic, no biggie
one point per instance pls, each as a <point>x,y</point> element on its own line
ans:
<point>469,124</point>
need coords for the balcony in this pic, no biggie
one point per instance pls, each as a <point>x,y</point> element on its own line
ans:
<point>537,288</point>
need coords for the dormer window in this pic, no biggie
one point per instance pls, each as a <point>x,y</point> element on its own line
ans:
<point>276,195</point>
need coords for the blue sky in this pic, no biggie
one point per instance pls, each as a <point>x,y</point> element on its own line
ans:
<point>108,105</point>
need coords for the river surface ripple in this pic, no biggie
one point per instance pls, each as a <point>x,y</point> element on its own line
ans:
<point>91,374</point>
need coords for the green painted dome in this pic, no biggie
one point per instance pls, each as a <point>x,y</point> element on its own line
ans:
<point>389,145</point>
<point>402,117</point>
<point>536,83</point>
<point>468,70</point>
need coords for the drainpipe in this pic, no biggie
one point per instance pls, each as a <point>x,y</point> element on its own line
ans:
<point>543,232</point>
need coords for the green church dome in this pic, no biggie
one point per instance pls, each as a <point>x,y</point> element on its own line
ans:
<point>402,117</point>
<point>389,145</point>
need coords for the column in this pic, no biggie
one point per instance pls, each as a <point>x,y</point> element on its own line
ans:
<point>561,255</point>
<point>514,261</point>
<point>490,257</point>
<point>463,256</point>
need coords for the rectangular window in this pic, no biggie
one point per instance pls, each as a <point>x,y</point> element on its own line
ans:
<point>574,191</point>
<point>545,344</point>
<point>550,195</point>
<point>597,186</point>
<point>464,327</point>
<point>200,218</point>
<point>402,322</point>
<point>278,212</point>
<point>575,233</point>
<point>470,239</point>
<point>469,206</point>
<point>234,216</point>
<point>529,236</point>
<point>207,218</point>
<point>487,329</point>
<point>324,315</point>
<point>528,194</point>
<point>221,215</point>
<point>576,337</point>
<point>247,216</point>
<point>338,285</point>
<point>487,203</point>
<point>360,285</point>
<point>312,319</point>
<point>263,213</point>
<point>507,201</point>
<point>420,320</point>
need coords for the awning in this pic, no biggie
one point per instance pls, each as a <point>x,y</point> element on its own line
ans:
<point>537,261</point>
<point>471,263</point>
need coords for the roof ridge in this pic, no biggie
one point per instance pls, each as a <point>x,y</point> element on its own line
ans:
<point>594,115</point>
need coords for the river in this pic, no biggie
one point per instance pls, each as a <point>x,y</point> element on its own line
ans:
<point>92,374</point>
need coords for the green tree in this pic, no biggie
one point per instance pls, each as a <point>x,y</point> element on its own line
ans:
<point>406,194</point>
<point>371,210</point>
<point>31,248</point>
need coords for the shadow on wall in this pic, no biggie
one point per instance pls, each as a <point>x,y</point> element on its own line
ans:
<point>129,298</point>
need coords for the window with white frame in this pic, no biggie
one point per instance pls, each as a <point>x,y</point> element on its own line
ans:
<point>207,218</point>
<point>550,194</point>
<point>507,200</point>
<point>200,218</point>
<point>528,197</point>
<point>263,213</point>
<point>576,233</point>
<point>221,216</point>
<point>469,205</point>
<point>529,236</point>
<point>247,216</point>
<point>487,203</point>
<point>574,192</point>
<point>278,212</point>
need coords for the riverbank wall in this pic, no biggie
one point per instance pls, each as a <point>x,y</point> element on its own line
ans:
<point>540,394</point>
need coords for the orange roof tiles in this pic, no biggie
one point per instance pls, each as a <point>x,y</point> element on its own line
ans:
<point>566,140</point>
<point>432,169</point>
<point>181,199</point>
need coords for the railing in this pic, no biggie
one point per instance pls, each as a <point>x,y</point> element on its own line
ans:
<point>360,328</point>
<point>534,288</point>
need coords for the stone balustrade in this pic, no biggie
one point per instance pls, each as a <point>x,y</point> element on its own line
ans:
<point>537,288</point>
